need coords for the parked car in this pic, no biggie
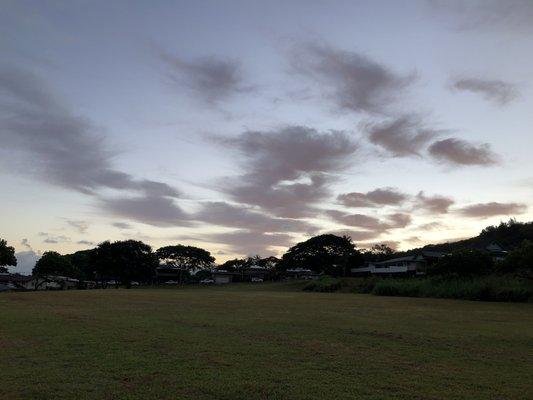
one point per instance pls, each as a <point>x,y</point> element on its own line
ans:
<point>171,282</point>
<point>207,281</point>
<point>256,279</point>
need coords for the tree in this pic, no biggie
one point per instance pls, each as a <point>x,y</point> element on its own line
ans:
<point>7,256</point>
<point>124,261</point>
<point>520,260</point>
<point>82,261</point>
<point>462,263</point>
<point>185,258</point>
<point>378,252</point>
<point>331,254</point>
<point>52,264</point>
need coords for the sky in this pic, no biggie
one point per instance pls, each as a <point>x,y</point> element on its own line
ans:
<point>244,127</point>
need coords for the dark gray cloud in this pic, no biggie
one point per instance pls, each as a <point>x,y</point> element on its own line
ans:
<point>53,239</point>
<point>460,152</point>
<point>65,149</point>
<point>121,225</point>
<point>26,243</point>
<point>370,227</point>
<point>153,210</point>
<point>485,210</point>
<point>401,137</point>
<point>85,242</point>
<point>289,170</point>
<point>238,216</point>
<point>80,226</point>
<point>375,198</point>
<point>496,91</point>
<point>433,204</point>
<point>351,80</point>
<point>506,16</point>
<point>211,79</point>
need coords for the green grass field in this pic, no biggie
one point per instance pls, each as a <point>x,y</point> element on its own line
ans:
<point>270,341</point>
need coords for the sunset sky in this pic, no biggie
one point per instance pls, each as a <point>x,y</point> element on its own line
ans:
<point>246,126</point>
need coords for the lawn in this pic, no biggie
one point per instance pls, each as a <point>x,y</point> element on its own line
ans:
<point>269,341</point>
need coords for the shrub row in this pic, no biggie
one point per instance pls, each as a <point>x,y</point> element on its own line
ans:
<point>324,284</point>
<point>483,289</point>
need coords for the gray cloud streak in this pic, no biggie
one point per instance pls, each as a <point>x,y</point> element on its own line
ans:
<point>485,210</point>
<point>497,91</point>
<point>352,81</point>
<point>460,152</point>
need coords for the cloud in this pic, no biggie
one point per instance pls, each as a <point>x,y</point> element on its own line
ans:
<point>430,226</point>
<point>26,243</point>
<point>434,204</point>
<point>497,91</point>
<point>53,239</point>
<point>375,198</point>
<point>510,16</point>
<point>67,150</point>
<point>211,79</point>
<point>25,262</point>
<point>351,80</point>
<point>85,242</point>
<point>121,225</point>
<point>81,226</point>
<point>153,210</point>
<point>288,170</point>
<point>246,242</point>
<point>460,152</point>
<point>372,227</point>
<point>237,216</point>
<point>485,210</point>
<point>401,137</point>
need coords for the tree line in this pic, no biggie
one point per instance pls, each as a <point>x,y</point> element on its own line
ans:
<point>130,261</point>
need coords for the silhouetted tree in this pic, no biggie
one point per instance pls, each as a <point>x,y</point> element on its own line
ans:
<point>185,258</point>
<point>378,252</point>
<point>124,261</point>
<point>331,254</point>
<point>462,263</point>
<point>53,264</point>
<point>7,256</point>
<point>520,260</point>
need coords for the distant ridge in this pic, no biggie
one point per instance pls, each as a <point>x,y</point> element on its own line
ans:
<point>507,235</point>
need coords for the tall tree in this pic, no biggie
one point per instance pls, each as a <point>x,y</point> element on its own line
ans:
<point>185,258</point>
<point>331,254</point>
<point>7,256</point>
<point>53,264</point>
<point>124,261</point>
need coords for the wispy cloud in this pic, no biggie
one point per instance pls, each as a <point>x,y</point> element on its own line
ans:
<point>433,204</point>
<point>67,149</point>
<point>211,79</point>
<point>485,210</point>
<point>288,170</point>
<point>375,198</point>
<point>497,91</point>
<point>352,81</point>
<point>460,152</point>
<point>401,137</point>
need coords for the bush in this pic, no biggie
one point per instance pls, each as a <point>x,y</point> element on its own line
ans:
<point>463,263</point>
<point>490,288</point>
<point>323,284</point>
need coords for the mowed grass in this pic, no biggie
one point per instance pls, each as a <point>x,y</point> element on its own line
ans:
<point>260,342</point>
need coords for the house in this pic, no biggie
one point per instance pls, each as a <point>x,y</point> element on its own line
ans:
<point>411,265</point>
<point>19,282</point>
<point>222,276</point>
<point>300,273</point>
<point>496,252</point>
